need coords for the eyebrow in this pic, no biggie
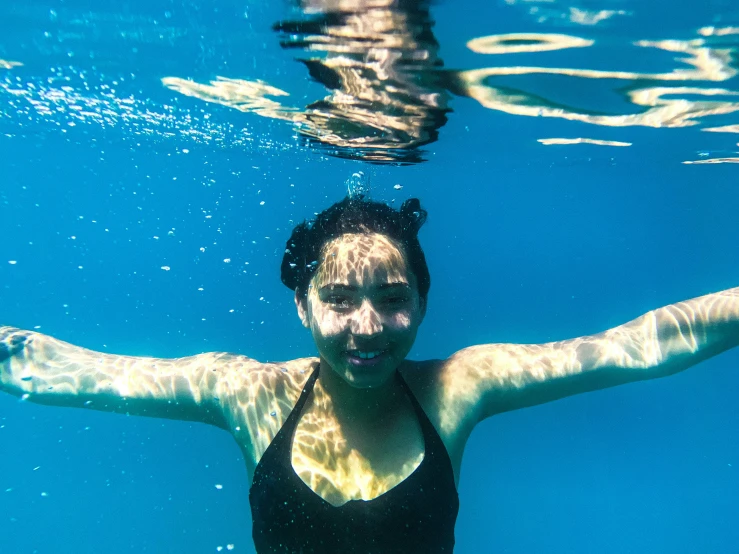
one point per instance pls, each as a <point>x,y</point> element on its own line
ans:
<point>331,287</point>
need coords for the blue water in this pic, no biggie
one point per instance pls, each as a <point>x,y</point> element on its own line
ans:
<point>525,243</point>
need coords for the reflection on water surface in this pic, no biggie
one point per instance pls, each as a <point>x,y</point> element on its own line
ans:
<point>7,64</point>
<point>386,91</point>
<point>388,94</point>
<point>379,62</point>
<point>551,141</point>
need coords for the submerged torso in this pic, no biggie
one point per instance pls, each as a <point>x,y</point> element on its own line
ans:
<point>323,449</point>
<point>321,487</point>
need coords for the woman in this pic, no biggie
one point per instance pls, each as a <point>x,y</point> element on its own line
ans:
<point>359,449</point>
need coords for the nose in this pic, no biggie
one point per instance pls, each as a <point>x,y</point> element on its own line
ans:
<point>366,320</point>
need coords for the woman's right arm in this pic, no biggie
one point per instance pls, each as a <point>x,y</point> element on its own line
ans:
<point>41,369</point>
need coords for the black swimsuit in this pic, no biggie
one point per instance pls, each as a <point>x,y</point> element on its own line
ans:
<point>415,516</point>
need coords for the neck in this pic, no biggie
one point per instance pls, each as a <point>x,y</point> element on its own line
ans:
<point>359,405</point>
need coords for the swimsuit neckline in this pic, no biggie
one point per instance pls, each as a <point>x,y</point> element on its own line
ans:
<point>354,501</point>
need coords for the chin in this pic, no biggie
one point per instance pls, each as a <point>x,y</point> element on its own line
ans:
<point>362,379</point>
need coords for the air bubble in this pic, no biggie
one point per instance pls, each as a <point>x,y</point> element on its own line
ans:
<point>358,185</point>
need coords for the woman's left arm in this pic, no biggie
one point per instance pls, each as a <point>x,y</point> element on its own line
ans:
<point>494,378</point>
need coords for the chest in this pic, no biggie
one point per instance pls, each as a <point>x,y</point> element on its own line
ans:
<point>340,462</point>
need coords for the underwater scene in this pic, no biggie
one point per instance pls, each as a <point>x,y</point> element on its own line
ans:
<point>576,167</point>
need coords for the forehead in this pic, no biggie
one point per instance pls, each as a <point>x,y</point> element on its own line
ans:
<point>361,260</point>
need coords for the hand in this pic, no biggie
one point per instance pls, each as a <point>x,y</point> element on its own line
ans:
<point>12,341</point>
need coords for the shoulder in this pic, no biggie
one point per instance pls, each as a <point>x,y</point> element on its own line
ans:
<point>257,397</point>
<point>247,378</point>
<point>441,397</point>
<point>441,386</point>
<point>450,390</point>
<point>432,384</point>
<point>250,390</point>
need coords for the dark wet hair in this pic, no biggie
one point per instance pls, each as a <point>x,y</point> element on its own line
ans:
<point>355,215</point>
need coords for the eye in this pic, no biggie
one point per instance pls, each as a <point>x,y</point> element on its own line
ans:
<point>338,301</point>
<point>395,300</point>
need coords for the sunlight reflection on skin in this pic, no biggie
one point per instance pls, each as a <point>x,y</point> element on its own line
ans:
<point>343,471</point>
<point>249,398</point>
<point>252,399</point>
<point>659,343</point>
<point>356,259</point>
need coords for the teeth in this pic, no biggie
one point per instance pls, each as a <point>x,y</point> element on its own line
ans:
<point>366,355</point>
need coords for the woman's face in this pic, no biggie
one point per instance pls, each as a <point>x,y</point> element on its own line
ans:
<point>363,308</point>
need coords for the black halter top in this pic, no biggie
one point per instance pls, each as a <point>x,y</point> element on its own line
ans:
<point>415,516</point>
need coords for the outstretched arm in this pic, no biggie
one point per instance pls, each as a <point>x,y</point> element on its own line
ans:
<point>42,369</point>
<point>488,379</point>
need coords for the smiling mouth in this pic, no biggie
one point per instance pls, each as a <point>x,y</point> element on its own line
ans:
<point>365,354</point>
